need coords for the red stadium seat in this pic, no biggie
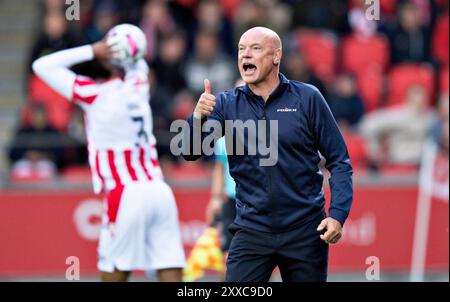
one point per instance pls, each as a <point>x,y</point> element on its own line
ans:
<point>402,76</point>
<point>370,86</point>
<point>320,49</point>
<point>388,6</point>
<point>58,108</point>
<point>443,80</point>
<point>360,55</point>
<point>229,7</point>
<point>440,40</point>
<point>356,149</point>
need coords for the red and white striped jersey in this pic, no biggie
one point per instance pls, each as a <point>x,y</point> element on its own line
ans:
<point>118,119</point>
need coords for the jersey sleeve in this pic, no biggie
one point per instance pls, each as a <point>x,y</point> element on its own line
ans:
<point>84,90</point>
<point>54,70</point>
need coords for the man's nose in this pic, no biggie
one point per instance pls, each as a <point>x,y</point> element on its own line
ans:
<point>247,54</point>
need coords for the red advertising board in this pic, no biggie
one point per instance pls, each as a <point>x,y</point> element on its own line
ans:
<point>40,230</point>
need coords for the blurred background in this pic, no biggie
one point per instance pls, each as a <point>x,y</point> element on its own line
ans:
<point>386,82</point>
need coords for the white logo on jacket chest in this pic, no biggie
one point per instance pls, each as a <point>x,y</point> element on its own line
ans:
<point>285,109</point>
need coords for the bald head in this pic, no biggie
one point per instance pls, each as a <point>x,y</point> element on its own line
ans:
<point>263,34</point>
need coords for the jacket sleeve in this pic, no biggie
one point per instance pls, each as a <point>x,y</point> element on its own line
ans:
<point>331,145</point>
<point>200,136</point>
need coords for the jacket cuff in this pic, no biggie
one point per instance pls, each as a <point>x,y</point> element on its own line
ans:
<point>339,215</point>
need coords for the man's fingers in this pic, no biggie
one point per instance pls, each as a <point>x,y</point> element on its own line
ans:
<point>208,101</point>
<point>322,225</point>
<point>208,105</point>
<point>324,237</point>
<point>328,235</point>
<point>207,86</point>
<point>205,107</point>
<point>336,238</point>
<point>208,97</point>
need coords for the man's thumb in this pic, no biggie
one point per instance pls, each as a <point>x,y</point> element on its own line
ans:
<point>322,225</point>
<point>207,86</point>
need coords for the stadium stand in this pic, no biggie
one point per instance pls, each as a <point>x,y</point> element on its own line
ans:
<point>402,76</point>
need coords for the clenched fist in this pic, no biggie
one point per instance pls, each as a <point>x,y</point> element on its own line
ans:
<point>333,230</point>
<point>206,102</point>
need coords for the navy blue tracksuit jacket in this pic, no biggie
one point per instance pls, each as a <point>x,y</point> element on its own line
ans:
<point>280,197</point>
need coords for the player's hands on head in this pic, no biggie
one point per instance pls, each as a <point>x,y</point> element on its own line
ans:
<point>102,50</point>
<point>206,102</point>
<point>333,230</point>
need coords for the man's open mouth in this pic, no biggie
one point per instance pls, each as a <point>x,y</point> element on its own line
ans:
<point>249,66</point>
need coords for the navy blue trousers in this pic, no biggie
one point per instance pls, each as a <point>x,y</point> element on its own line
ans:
<point>300,254</point>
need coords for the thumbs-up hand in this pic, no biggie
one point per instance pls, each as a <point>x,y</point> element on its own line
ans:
<point>206,102</point>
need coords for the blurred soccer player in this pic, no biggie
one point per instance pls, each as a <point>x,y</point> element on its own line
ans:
<point>140,228</point>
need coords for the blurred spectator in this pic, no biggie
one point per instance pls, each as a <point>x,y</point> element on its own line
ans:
<point>209,62</point>
<point>295,67</point>
<point>444,138</point>
<point>183,106</point>
<point>361,26</point>
<point>75,151</point>
<point>55,36</point>
<point>36,149</point>
<point>440,119</point>
<point>156,22</point>
<point>230,7</point>
<point>210,16</point>
<point>345,102</point>
<point>130,11</point>
<point>167,79</point>
<point>268,13</point>
<point>54,5</point>
<point>180,106</point>
<point>440,40</point>
<point>323,14</point>
<point>409,40</point>
<point>169,64</point>
<point>161,101</point>
<point>105,17</point>
<point>403,129</point>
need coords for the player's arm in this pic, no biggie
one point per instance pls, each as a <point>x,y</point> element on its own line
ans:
<point>332,146</point>
<point>214,206</point>
<point>54,69</point>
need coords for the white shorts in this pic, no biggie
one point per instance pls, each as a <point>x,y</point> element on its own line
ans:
<point>145,235</point>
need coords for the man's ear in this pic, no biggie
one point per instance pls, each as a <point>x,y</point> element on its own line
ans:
<point>277,56</point>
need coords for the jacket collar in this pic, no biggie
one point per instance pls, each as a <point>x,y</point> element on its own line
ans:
<point>284,82</point>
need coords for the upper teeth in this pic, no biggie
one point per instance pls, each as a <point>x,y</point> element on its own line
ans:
<point>248,65</point>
